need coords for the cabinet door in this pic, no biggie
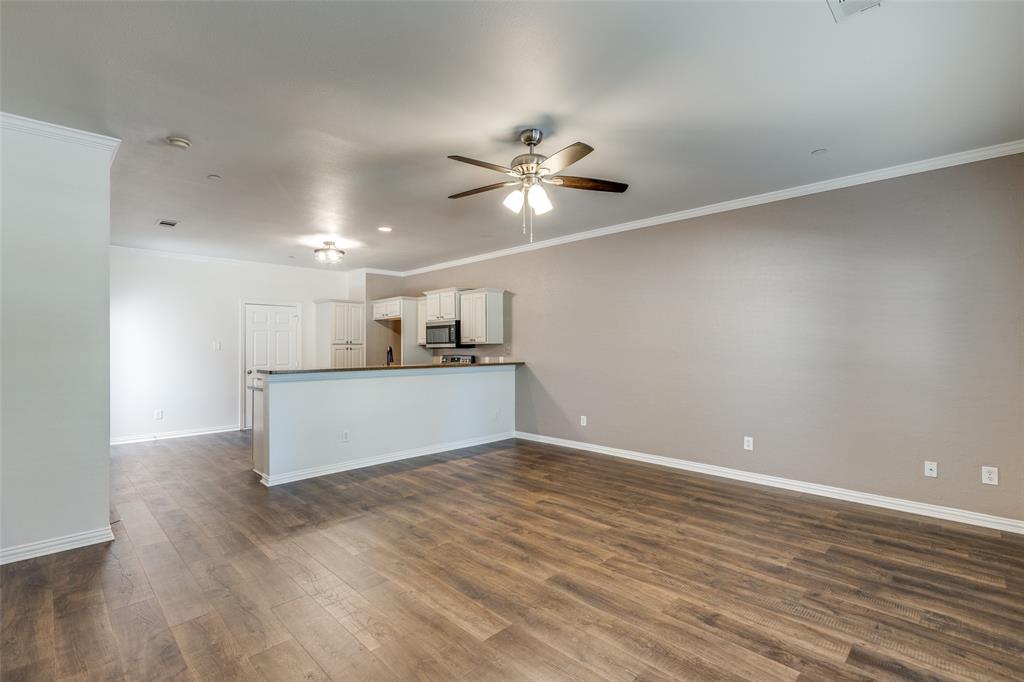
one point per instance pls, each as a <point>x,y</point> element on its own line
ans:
<point>341,323</point>
<point>339,357</point>
<point>421,322</point>
<point>433,307</point>
<point>447,303</point>
<point>380,311</point>
<point>480,319</point>
<point>356,322</point>
<point>357,356</point>
<point>470,327</point>
<point>394,309</point>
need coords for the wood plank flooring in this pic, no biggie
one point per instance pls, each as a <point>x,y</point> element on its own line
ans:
<point>513,561</point>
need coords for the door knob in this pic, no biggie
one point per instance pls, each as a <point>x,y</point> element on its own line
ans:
<point>248,371</point>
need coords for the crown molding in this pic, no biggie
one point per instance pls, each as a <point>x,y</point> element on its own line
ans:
<point>216,259</point>
<point>936,163</point>
<point>30,126</point>
<point>379,271</point>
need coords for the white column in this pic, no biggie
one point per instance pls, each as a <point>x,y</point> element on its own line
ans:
<point>55,353</point>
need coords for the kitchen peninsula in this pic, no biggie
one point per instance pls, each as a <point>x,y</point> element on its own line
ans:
<point>314,422</point>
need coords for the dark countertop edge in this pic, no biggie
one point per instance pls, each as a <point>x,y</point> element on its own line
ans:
<point>284,372</point>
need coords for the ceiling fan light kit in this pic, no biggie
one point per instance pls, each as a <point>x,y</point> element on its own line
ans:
<point>531,171</point>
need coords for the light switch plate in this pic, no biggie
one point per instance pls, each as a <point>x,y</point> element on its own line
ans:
<point>990,475</point>
<point>583,420</point>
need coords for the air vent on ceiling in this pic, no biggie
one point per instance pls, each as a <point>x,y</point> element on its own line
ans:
<point>167,223</point>
<point>844,9</point>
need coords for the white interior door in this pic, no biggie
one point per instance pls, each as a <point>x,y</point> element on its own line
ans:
<point>271,342</point>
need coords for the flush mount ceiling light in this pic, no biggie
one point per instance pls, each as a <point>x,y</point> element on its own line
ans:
<point>530,171</point>
<point>383,228</point>
<point>178,141</point>
<point>328,253</point>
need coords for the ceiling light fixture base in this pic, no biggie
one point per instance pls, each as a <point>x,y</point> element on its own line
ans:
<point>531,137</point>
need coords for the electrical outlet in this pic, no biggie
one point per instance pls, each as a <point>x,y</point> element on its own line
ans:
<point>158,414</point>
<point>990,475</point>
<point>748,443</point>
<point>344,436</point>
<point>216,345</point>
<point>583,420</point>
<point>931,469</point>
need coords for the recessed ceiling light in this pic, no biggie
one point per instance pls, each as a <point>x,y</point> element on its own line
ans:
<point>383,229</point>
<point>166,222</point>
<point>213,176</point>
<point>179,142</point>
<point>819,151</point>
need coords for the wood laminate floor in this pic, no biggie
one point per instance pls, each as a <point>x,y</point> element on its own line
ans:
<point>513,561</point>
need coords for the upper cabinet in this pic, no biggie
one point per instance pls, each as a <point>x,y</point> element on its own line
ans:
<point>483,316</point>
<point>349,322</point>
<point>338,323</point>
<point>442,305</point>
<point>346,319</point>
<point>387,309</point>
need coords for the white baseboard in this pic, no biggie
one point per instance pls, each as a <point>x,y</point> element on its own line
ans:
<point>54,545</point>
<point>870,499</point>
<point>313,472</point>
<point>123,440</point>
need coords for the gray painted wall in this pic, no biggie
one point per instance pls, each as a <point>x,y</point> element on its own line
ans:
<point>854,334</point>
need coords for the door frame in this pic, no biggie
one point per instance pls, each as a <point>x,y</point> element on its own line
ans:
<point>241,344</point>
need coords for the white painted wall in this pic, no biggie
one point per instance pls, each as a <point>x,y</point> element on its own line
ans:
<point>55,226</point>
<point>388,414</point>
<point>166,314</point>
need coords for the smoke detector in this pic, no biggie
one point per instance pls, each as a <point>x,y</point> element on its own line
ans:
<point>178,141</point>
<point>844,9</point>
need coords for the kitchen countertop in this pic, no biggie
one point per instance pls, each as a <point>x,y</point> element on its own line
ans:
<point>280,372</point>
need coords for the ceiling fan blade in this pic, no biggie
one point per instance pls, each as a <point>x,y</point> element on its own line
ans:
<point>564,158</point>
<point>483,164</point>
<point>573,182</point>
<point>486,188</point>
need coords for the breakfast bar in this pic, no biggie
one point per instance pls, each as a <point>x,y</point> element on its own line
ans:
<point>315,422</point>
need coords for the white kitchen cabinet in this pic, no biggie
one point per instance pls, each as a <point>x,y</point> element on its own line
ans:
<point>387,309</point>
<point>401,315</point>
<point>483,316</point>
<point>421,322</point>
<point>338,322</point>
<point>442,305</point>
<point>347,357</point>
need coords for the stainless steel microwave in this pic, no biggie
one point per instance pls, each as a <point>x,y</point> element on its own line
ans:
<point>443,334</point>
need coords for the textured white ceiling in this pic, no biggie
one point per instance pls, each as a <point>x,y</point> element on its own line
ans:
<point>337,117</point>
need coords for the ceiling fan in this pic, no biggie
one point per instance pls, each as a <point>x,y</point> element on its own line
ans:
<point>531,171</point>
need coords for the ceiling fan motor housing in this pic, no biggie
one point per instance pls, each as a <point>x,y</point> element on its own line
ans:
<point>528,164</point>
